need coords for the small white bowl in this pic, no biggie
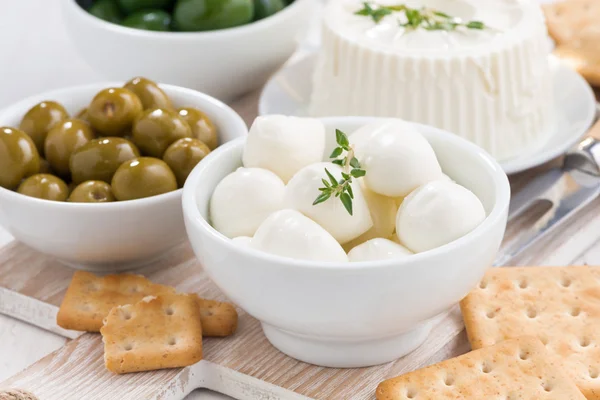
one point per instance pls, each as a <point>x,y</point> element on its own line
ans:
<point>110,236</point>
<point>223,63</point>
<point>350,314</point>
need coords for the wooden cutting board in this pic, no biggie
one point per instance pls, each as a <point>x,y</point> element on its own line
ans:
<point>244,366</point>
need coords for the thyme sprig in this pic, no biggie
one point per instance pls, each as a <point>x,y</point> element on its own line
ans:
<point>426,18</point>
<point>352,169</point>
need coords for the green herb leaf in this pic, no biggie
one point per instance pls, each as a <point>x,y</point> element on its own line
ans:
<point>341,139</point>
<point>322,198</point>
<point>354,163</point>
<point>441,14</point>
<point>475,25</point>
<point>350,191</point>
<point>325,183</point>
<point>426,18</point>
<point>336,152</point>
<point>358,173</point>
<point>334,182</point>
<point>340,162</point>
<point>345,176</point>
<point>347,202</point>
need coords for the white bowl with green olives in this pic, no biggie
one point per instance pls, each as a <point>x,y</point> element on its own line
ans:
<point>226,52</point>
<point>92,175</point>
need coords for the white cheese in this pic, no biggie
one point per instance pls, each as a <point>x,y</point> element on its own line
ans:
<point>378,249</point>
<point>436,214</point>
<point>491,86</point>
<point>283,144</point>
<point>288,233</point>
<point>243,199</point>
<point>303,189</point>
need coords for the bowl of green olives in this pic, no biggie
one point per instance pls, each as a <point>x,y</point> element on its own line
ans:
<point>224,48</point>
<point>92,175</point>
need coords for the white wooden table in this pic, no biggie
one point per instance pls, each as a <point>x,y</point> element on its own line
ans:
<point>35,56</point>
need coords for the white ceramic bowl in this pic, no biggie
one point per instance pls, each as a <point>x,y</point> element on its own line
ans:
<point>110,236</point>
<point>350,314</point>
<point>223,63</point>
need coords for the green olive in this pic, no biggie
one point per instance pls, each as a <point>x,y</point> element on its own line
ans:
<point>130,6</point>
<point>19,157</point>
<point>143,177</point>
<point>63,140</point>
<point>44,186</point>
<point>92,192</point>
<point>83,115</point>
<point>156,129</point>
<point>107,10</point>
<point>204,15</point>
<point>40,119</point>
<point>202,126</point>
<point>45,167</point>
<point>149,93</point>
<point>113,110</point>
<point>266,8</point>
<point>150,20</point>
<point>98,159</point>
<point>183,155</point>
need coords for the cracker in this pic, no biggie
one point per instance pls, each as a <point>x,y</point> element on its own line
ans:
<point>511,370</point>
<point>559,305</point>
<point>574,26</point>
<point>218,319</point>
<point>155,333</point>
<point>89,298</point>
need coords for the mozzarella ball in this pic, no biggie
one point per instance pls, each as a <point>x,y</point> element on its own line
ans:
<point>243,199</point>
<point>288,233</point>
<point>244,241</point>
<point>378,249</point>
<point>303,189</point>
<point>383,214</point>
<point>396,157</point>
<point>283,144</point>
<point>437,213</point>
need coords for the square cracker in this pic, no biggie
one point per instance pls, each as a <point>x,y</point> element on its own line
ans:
<point>218,319</point>
<point>559,305</point>
<point>89,298</point>
<point>155,333</point>
<point>511,370</point>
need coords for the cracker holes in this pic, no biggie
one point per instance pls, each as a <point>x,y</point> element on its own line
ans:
<point>134,289</point>
<point>594,373</point>
<point>172,341</point>
<point>128,347</point>
<point>575,311</point>
<point>483,284</point>
<point>93,287</point>
<point>523,355</point>
<point>585,341</point>
<point>547,386</point>
<point>531,313</point>
<point>411,393</point>
<point>126,316</point>
<point>449,380</point>
<point>523,284</point>
<point>566,282</point>
<point>486,368</point>
<point>490,314</point>
<point>169,311</point>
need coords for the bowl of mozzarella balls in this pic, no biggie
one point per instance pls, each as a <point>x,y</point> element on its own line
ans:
<point>346,237</point>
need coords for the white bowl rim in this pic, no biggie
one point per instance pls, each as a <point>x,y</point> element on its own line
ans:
<point>121,205</point>
<point>501,204</point>
<point>236,30</point>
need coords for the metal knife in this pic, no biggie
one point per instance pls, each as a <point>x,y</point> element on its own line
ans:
<point>568,188</point>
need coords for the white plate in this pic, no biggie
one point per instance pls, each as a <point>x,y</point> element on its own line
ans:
<point>288,93</point>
